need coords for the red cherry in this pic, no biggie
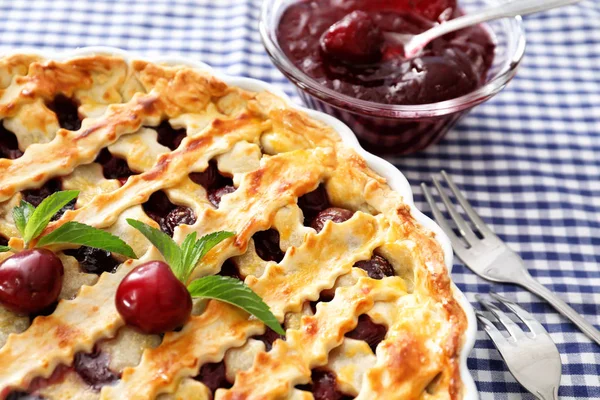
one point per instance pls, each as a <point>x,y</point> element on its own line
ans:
<point>152,299</point>
<point>353,39</point>
<point>30,280</point>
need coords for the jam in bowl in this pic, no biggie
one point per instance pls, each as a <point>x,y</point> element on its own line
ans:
<point>346,58</point>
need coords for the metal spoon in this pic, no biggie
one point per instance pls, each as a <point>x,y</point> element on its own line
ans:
<point>413,44</point>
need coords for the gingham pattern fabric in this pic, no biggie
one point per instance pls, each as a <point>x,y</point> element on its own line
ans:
<point>529,159</point>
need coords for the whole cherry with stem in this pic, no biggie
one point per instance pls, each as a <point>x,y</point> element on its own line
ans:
<point>31,279</point>
<point>154,298</point>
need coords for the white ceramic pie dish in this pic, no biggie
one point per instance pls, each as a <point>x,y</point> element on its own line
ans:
<point>395,178</point>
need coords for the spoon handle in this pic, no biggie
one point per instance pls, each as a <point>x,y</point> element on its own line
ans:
<point>509,9</point>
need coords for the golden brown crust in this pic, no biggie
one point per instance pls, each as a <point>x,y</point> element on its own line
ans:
<point>275,155</point>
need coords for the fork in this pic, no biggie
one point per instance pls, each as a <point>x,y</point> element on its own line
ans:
<point>532,357</point>
<point>489,257</point>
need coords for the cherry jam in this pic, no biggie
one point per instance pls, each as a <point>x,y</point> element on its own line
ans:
<point>353,48</point>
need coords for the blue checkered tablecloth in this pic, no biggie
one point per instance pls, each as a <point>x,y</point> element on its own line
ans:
<point>529,159</point>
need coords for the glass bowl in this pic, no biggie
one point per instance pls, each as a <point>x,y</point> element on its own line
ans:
<point>399,129</point>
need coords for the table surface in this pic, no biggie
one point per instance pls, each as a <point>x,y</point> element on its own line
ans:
<point>529,159</point>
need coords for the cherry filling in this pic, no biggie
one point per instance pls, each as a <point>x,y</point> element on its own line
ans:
<point>334,214</point>
<point>94,261</point>
<point>36,196</point>
<point>353,47</point>
<point>231,270</point>
<point>66,112</point>
<point>377,267</point>
<point>317,209</point>
<point>94,369</point>
<point>168,136</point>
<point>269,337</point>
<point>213,376</point>
<point>9,146</point>
<point>216,185</point>
<point>168,215</point>
<point>313,202</point>
<point>355,38</point>
<point>113,167</point>
<point>267,247</point>
<point>324,386</point>
<point>368,331</point>
<point>177,216</point>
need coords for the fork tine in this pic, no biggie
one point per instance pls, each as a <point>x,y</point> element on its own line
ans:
<point>534,325</point>
<point>512,328</point>
<point>439,218</point>
<point>464,228</point>
<point>481,226</point>
<point>493,332</point>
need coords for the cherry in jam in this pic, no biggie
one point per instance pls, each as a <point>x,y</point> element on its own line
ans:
<point>213,375</point>
<point>113,167</point>
<point>94,261</point>
<point>267,247</point>
<point>377,267</point>
<point>169,136</point>
<point>324,386</point>
<point>368,331</point>
<point>36,196</point>
<point>66,112</point>
<point>168,215</point>
<point>216,185</point>
<point>313,203</point>
<point>269,337</point>
<point>94,369</point>
<point>353,48</point>
<point>9,146</point>
<point>334,214</point>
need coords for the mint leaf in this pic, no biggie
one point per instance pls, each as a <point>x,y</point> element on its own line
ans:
<point>187,248</point>
<point>21,214</point>
<point>193,251</point>
<point>207,242</point>
<point>163,242</point>
<point>235,292</point>
<point>85,235</point>
<point>40,218</point>
<point>4,249</point>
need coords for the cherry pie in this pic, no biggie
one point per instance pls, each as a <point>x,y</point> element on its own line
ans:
<point>360,287</point>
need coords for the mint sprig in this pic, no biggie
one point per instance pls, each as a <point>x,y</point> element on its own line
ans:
<point>43,213</point>
<point>21,214</point>
<point>31,222</point>
<point>235,292</point>
<point>77,233</point>
<point>163,242</point>
<point>183,259</point>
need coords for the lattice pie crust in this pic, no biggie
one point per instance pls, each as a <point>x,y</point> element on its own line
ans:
<point>275,154</point>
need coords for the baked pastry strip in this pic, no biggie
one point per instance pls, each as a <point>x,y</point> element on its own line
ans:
<point>76,325</point>
<point>304,282</point>
<point>203,339</point>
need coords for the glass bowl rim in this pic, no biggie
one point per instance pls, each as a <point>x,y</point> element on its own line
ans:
<point>349,103</point>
